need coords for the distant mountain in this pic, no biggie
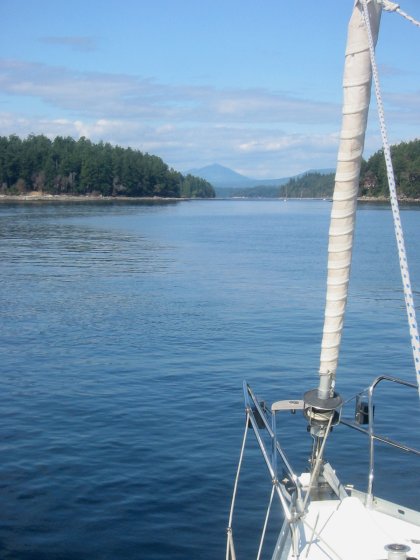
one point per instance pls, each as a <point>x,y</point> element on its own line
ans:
<point>220,176</point>
<point>226,181</point>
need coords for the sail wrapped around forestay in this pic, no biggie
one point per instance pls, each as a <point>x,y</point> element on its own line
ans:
<point>356,98</point>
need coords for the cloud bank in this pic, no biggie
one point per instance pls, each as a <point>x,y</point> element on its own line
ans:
<point>258,132</point>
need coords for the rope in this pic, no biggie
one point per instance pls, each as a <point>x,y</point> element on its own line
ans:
<point>408,293</point>
<point>409,18</point>
<point>393,7</point>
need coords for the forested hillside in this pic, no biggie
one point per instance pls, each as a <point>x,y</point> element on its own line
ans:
<point>67,166</point>
<point>373,177</point>
<point>406,163</point>
<point>310,185</point>
<point>260,191</point>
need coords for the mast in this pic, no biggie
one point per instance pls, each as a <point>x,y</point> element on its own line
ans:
<point>356,97</point>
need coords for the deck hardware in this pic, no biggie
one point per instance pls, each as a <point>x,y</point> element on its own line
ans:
<point>397,551</point>
<point>361,413</point>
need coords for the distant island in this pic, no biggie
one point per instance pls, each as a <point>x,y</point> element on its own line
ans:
<point>67,167</point>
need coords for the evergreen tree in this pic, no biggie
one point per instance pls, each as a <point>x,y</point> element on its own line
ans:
<point>406,164</point>
<point>66,166</point>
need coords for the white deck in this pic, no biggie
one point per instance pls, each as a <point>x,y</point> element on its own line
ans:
<point>348,530</point>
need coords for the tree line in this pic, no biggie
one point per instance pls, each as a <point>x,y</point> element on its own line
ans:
<point>406,163</point>
<point>67,166</point>
<point>373,177</point>
<point>309,185</point>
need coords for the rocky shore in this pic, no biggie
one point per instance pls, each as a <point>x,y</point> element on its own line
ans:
<point>38,196</point>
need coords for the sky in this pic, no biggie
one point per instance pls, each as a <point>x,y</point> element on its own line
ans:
<point>252,85</point>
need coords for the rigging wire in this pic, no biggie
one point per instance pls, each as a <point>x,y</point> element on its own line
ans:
<point>230,547</point>
<point>408,293</point>
<point>265,523</point>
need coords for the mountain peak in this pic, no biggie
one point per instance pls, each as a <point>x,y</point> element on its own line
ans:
<point>222,177</point>
<point>219,175</point>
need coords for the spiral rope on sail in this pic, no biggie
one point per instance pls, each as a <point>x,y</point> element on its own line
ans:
<point>356,96</point>
<point>393,7</point>
<point>405,275</point>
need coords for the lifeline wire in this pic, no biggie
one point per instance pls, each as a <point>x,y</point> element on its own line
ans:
<point>408,293</point>
<point>230,548</point>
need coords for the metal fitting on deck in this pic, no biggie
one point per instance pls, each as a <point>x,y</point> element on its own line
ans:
<point>321,412</point>
<point>397,551</point>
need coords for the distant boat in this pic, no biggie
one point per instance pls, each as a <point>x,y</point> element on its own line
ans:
<point>323,519</point>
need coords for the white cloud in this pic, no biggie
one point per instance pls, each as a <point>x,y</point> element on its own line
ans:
<point>264,145</point>
<point>258,152</point>
<point>260,132</point>
<point>102,95</point>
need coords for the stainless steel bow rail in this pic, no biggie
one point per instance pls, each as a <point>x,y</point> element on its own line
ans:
<point>289,488</point>
<point>364,415</point>
<point>293,491</point>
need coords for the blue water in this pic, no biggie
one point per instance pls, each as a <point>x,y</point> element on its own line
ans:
<point>126,332</point>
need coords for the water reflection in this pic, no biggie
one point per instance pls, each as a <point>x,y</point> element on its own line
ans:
<point>127,331</point>
<point>42,237</point>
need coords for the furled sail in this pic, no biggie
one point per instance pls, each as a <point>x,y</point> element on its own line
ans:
<point>356,98</point>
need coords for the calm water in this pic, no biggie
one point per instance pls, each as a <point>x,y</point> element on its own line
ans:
<point>126,333</point>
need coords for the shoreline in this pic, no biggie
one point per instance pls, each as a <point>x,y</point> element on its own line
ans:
<point>387,199</point>
<point>41,197</point>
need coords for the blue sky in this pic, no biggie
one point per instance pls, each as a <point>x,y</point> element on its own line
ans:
<point>255,86</point>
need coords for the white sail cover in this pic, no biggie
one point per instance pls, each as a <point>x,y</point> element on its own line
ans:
<point>356,99</point>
